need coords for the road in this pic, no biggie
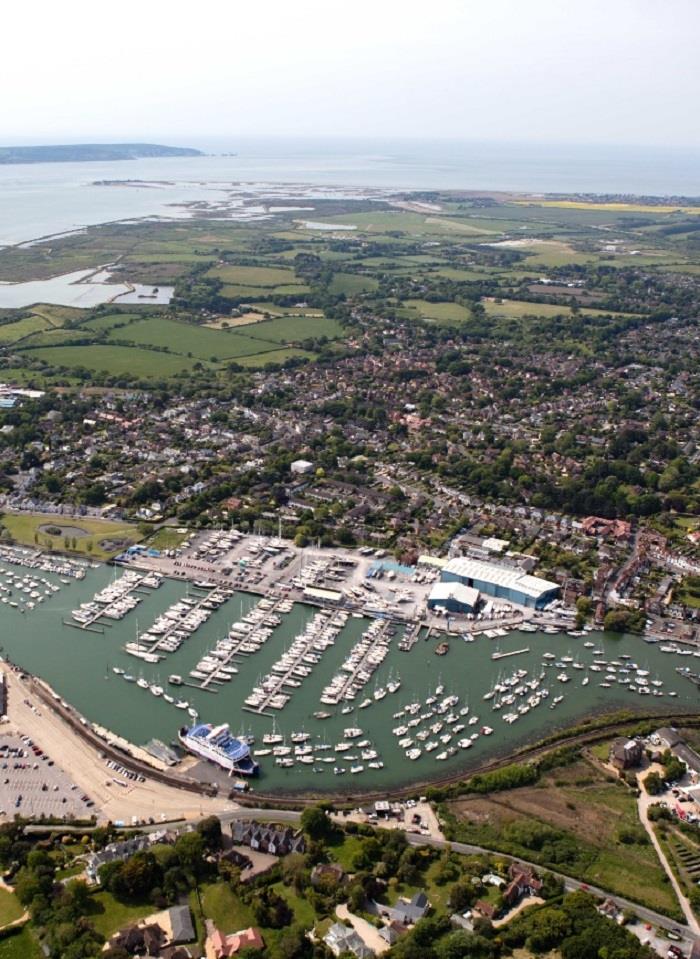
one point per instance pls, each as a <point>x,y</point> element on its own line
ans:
<point>571,885</point>
<point>643,803</point>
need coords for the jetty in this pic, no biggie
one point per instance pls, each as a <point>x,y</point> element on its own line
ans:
<point>511,652</point>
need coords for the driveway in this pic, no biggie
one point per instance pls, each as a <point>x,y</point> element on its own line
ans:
<point>365,930</point>
<point>643,804</point>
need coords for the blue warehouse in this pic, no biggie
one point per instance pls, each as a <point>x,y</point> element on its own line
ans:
<point>504,582</point>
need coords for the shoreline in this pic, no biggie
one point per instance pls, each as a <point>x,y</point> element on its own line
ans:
<point>138,761</point>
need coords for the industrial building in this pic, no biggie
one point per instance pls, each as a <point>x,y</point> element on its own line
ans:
<point>504,582</point>
<point>454,597</point>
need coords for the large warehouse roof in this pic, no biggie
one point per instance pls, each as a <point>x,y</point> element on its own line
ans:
<point>462,594</point>
<point>506,576</point>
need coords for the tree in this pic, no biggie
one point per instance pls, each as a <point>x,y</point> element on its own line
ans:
<point>316,823</point>
<point>654,784</point>
<point>210,831</point>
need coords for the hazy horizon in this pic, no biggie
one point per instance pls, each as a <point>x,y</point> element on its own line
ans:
<point>538,72</point>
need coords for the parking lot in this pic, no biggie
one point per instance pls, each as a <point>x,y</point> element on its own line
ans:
<point>32,785</point>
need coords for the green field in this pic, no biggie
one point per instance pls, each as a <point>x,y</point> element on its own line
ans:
<point>275,310</point>
<point>14,332</point>
<point>254,275</point>
<point>351,283</point>
<point>186,339</point>
<point>24,528</point>
<point>586,812</point>
<point>438,312</point>
<point>257,360</point>
<point>114,360</point>
<point>515,309</point>
<point>293,329</point>
<point>106,321</point>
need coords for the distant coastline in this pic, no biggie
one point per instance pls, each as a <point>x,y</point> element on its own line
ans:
<point>91,152</point>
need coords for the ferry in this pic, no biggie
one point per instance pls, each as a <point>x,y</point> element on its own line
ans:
<point>218,745</point>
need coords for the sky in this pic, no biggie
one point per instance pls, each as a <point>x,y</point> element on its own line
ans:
<point>565,71</point>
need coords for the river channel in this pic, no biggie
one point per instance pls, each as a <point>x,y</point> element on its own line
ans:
<point>79,666</point>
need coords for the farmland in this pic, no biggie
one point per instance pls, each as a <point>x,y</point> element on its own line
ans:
<point>114,360</point>
<point>257,293</point>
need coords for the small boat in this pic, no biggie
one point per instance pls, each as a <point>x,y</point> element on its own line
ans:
<point>182,704</point>
<point>118,670</point>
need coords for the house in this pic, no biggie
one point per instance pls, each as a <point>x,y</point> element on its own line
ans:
<point>159,934</point>
<point>141,940</point>
<point>406,911</point>
<point>276,840</point>
<point>485,909</point>
<point>340,939</point>
<point>220,946</point>
<point>299,467</point>
<point>626,753</point>
<point>523,882</point>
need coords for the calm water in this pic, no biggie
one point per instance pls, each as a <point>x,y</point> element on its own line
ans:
<point>74,289</point>
<point>41,199</point>
<point>78,665</point>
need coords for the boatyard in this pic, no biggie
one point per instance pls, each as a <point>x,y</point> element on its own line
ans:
<point>331,685</point>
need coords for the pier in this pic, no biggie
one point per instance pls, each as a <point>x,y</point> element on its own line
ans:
<point>512,652</point>
<point>364,661</point>
<point>410,638</point>
<point>218,595</point>
<point>109,606</point>
<point>307,648</point>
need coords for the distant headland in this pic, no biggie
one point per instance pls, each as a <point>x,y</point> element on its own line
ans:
<point>86,152</point>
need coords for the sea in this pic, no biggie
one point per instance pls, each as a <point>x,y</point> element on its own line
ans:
<point>37,200</point>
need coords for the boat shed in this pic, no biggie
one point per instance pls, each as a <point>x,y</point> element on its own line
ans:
<point>454,597</point>
<point>317,595</point>
<point>504,582</point>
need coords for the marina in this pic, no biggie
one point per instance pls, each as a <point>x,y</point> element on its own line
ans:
<point>553,681</point>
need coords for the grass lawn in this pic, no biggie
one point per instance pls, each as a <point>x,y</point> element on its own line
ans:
<point>108,915</point>
<point>24,527</point>
<point>167,537</point>
<point>254,275</point>
<point>21,946</point>
<point>223,906</point>
<point>303,911</point>
<point>439,312</point>
<point>346,850</point>
<point>10,907</point>
<point>115,360</point>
